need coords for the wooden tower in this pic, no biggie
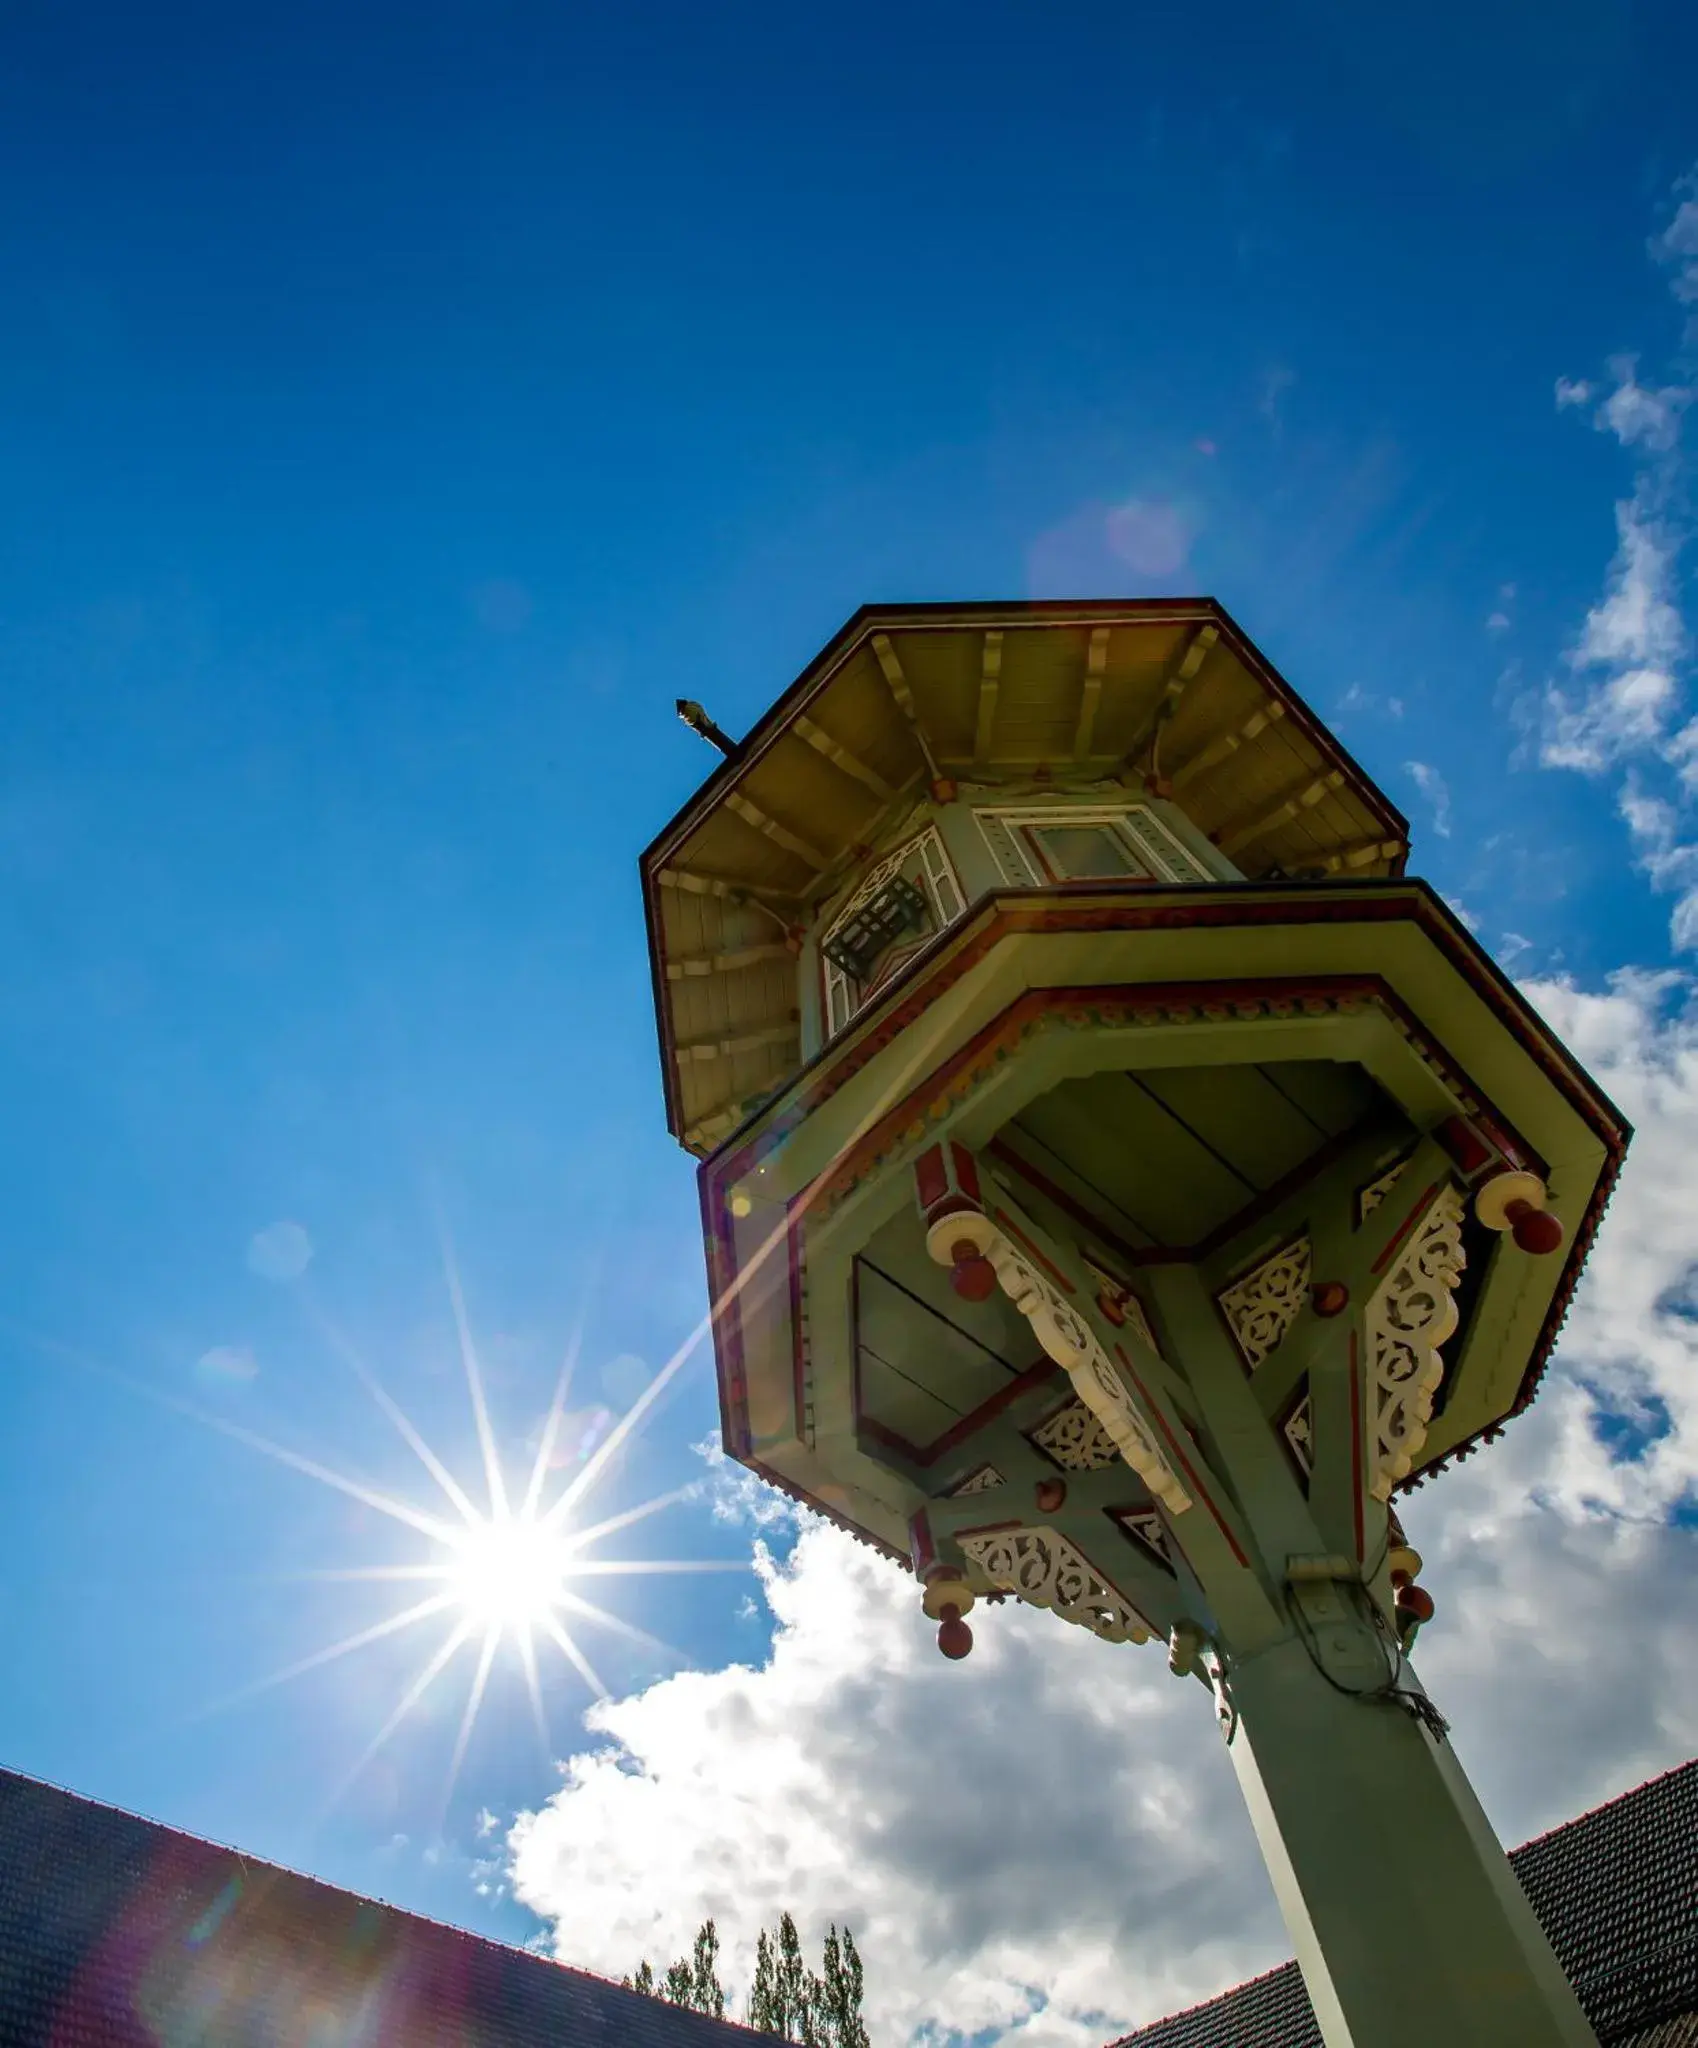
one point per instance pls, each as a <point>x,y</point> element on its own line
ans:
<point>1119,1180</point>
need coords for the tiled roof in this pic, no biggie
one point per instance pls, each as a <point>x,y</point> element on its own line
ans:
<point>118,1933</point>
<point>1616,1891</point>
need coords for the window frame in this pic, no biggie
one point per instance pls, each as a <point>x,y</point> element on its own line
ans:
<point>1147,840</point>
<point>841,998</point>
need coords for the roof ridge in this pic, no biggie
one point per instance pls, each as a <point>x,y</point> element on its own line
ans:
<point>1605,1805</point>
<point>1185,2011</point>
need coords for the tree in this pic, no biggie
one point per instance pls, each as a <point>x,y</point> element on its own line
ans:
<point>786,1998</point>
<point>692,1981</point>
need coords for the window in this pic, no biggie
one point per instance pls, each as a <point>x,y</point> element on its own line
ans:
<point>1087,844</point>
<point>895,908</point>
<point>1083,853</point>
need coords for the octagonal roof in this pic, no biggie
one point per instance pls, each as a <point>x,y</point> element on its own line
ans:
<point>915,698</point>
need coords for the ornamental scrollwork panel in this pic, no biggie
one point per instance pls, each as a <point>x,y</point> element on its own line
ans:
<point>1298,1429</point>
<point>1068,1338</point>
<point>1262,1305</point>
<point>1368,1199</point>
<point>981,1481</point>
<point>1076,1440</point>
<point>1411,1315</point>
<point>1045,1570</point>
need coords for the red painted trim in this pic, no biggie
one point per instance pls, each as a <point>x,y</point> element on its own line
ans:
<point>1356,1444</point>
<point>1400,1238</point>
<point>1300,904</point>
<point>1197,1486</point>
<point>964,1426</point>
<point>1224,904</point>
<point>794,1211</point>
<point>999,1148</point>
<point>931,1177</point>
<point>1010,1228</point>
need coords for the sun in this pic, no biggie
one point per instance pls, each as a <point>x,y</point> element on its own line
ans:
<point>512,1568</point>
<point>508,1572</point>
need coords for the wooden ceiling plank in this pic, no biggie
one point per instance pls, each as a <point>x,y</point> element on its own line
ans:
<point>691,965</point>
<point>1182,672</point>
<point>1226,744</point>
<point>990,686</point>
<point>1096,661</point>
<point>1282,813</point>
<point>768,826</point>
<point>840,756</point>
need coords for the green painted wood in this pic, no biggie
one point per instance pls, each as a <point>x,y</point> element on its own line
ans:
<point>1122,1140</point>
<point>1241,1115</point>
<point>1409,1924</point>
<point>1334,1093</point>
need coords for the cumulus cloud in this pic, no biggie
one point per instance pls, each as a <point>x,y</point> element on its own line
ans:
<point>281,1251</point>
<point>1677,245</point>
<point>1623,705</point>
<point>1436,790</point>
<point>1046,1842</point>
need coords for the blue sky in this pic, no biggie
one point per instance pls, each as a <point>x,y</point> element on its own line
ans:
<point>399,408</point>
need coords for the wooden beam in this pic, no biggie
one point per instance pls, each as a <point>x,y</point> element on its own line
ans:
<point>744,1041</point>
<point>839,755</point>
<point>1349,859</point>
<point>904,696</point>
<point>689,883</point>
<point>1228,743</point>
<point>769,827</point>
<point>1289,807</point>
<point>1095,663</point>
<point>1181,673</point>
<point>990,686</point>
<point>686,966</point>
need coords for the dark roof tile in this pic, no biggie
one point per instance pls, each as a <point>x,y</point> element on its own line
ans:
<point>118,1933</point>
<point>1616,1891</point>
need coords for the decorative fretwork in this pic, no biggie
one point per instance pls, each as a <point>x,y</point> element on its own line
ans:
<point>1261,1307</point>
<point>862,936</point>
<point>1412,1314</point>
<point>1076,1440</point>
<point>1298,1429</point>
<point>1069,1339</point>
<point>1368,1199</point>
<point>1145,1526</point>
<point>980,1481</point>
<point>1044,1569</point>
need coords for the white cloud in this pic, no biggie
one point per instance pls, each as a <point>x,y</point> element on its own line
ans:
<point>281,1251</point>
<point>1436,790</point>
<point>1677,245</point>
<point>1046,1842</point>
<point>1631,648</point>
<point>1638,416</point>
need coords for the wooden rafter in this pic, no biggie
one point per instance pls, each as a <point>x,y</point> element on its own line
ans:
<point>840,756</point>
<point>689,882</point>
<point>687,966</point>
<point>1225,744</point>
<point>990,686</point>
<point>769,827</point>
<point>1364,854</point>
<point>1289,806</point>
<point>743,1041</point>
<point>1090,695</point>
<point>892,668</point>
<point>1181,673</point>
